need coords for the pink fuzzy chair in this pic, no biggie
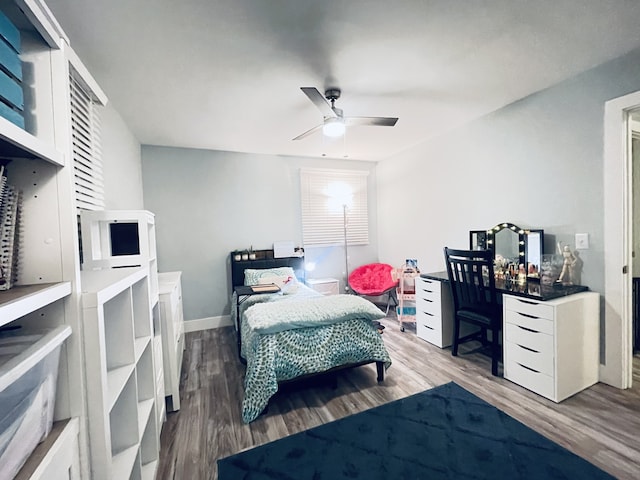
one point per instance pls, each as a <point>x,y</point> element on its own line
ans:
<point>374,280</point>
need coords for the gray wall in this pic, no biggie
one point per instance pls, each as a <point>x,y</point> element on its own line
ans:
<point>208,203</point>
<point>122,164</point>
<point>537,163</point>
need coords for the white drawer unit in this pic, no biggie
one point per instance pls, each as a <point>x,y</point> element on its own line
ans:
<point>552,348</point>
<point>170,301</point>
<point>434,311</point>
<point>325,286</point>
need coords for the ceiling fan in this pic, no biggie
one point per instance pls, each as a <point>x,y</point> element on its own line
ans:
<point>334,123</point>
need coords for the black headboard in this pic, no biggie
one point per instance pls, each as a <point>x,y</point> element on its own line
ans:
<point>264,259</point>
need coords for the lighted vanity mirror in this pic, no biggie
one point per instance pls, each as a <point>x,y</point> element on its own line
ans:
<point>507,244</point>
<point>514,249</point>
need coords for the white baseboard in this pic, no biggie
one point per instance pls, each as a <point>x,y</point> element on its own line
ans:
<point>207,323</point>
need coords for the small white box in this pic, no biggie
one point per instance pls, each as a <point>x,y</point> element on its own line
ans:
<point>117,238</point>
<point>283,249</point>
<point>28,377</point>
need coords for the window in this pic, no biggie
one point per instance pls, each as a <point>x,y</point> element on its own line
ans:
<point>87,156</point>
<point>326,196</point>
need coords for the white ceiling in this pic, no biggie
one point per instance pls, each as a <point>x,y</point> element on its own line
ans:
<point>226,74</point>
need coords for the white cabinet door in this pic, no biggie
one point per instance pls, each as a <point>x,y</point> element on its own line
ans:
<point>170,289</point>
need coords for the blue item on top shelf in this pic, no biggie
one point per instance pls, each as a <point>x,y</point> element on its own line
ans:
<point>11,91</point>
<point>9,32</point>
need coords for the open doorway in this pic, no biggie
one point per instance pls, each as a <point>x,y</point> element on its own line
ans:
<point>616,367</point>
<point>634,130</point>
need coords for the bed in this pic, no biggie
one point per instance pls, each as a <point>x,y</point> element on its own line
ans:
<point>296,332</point>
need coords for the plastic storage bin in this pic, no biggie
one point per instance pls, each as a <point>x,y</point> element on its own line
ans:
<point>28,376</point>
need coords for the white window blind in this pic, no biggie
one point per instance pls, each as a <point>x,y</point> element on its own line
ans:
<point>324,195</point>
<point>87,155</point>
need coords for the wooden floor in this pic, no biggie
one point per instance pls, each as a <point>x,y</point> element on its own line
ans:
<point>601,424</point>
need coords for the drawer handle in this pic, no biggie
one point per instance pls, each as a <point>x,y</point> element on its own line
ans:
<point>427,313</point>
<point>527,329</point>
<point>528,302</point>
<point>528,368</point>
<point>527,348</point>
<point>527,315</point>
<point>427,326</point>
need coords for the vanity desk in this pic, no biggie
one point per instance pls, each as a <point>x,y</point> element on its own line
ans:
<point>550,333</point>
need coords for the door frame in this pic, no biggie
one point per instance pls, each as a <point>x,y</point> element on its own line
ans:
<point>617,369</point>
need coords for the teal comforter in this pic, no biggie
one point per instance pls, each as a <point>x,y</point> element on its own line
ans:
<point>315,344</point>
<point>273,317</point>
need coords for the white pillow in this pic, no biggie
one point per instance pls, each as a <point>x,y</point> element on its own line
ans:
<point>252,276</point>
<point>287,284</point>
<point>280,281</point>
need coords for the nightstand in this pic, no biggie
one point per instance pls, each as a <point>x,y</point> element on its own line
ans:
<point>325,286</point>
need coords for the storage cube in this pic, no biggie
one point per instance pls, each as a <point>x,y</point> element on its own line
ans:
<point>28,376</point>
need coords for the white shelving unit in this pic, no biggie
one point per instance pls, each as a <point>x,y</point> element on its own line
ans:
<point>24,299</point>
<point>406,294</point>
<point>48,291</point>
<point>172,334</point>
<point>106,248</point>
<point>56,457</point>
<point>121,391</point>
<point>45,295</point>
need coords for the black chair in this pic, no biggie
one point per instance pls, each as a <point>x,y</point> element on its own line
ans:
<point>475,299</point>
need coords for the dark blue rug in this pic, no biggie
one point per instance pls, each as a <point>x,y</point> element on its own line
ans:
<point>446,432</point>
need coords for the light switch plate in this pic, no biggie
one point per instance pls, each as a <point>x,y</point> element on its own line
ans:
<point>582,241</point>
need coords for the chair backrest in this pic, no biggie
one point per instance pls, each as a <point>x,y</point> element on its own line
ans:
<point>472,281</point>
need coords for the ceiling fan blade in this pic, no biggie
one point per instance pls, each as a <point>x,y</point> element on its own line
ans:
<point>376,121</point>
<point>319,101</point>
<point>308,132</point>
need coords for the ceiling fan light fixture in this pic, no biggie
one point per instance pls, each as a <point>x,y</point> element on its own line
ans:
<point>333,127</point>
